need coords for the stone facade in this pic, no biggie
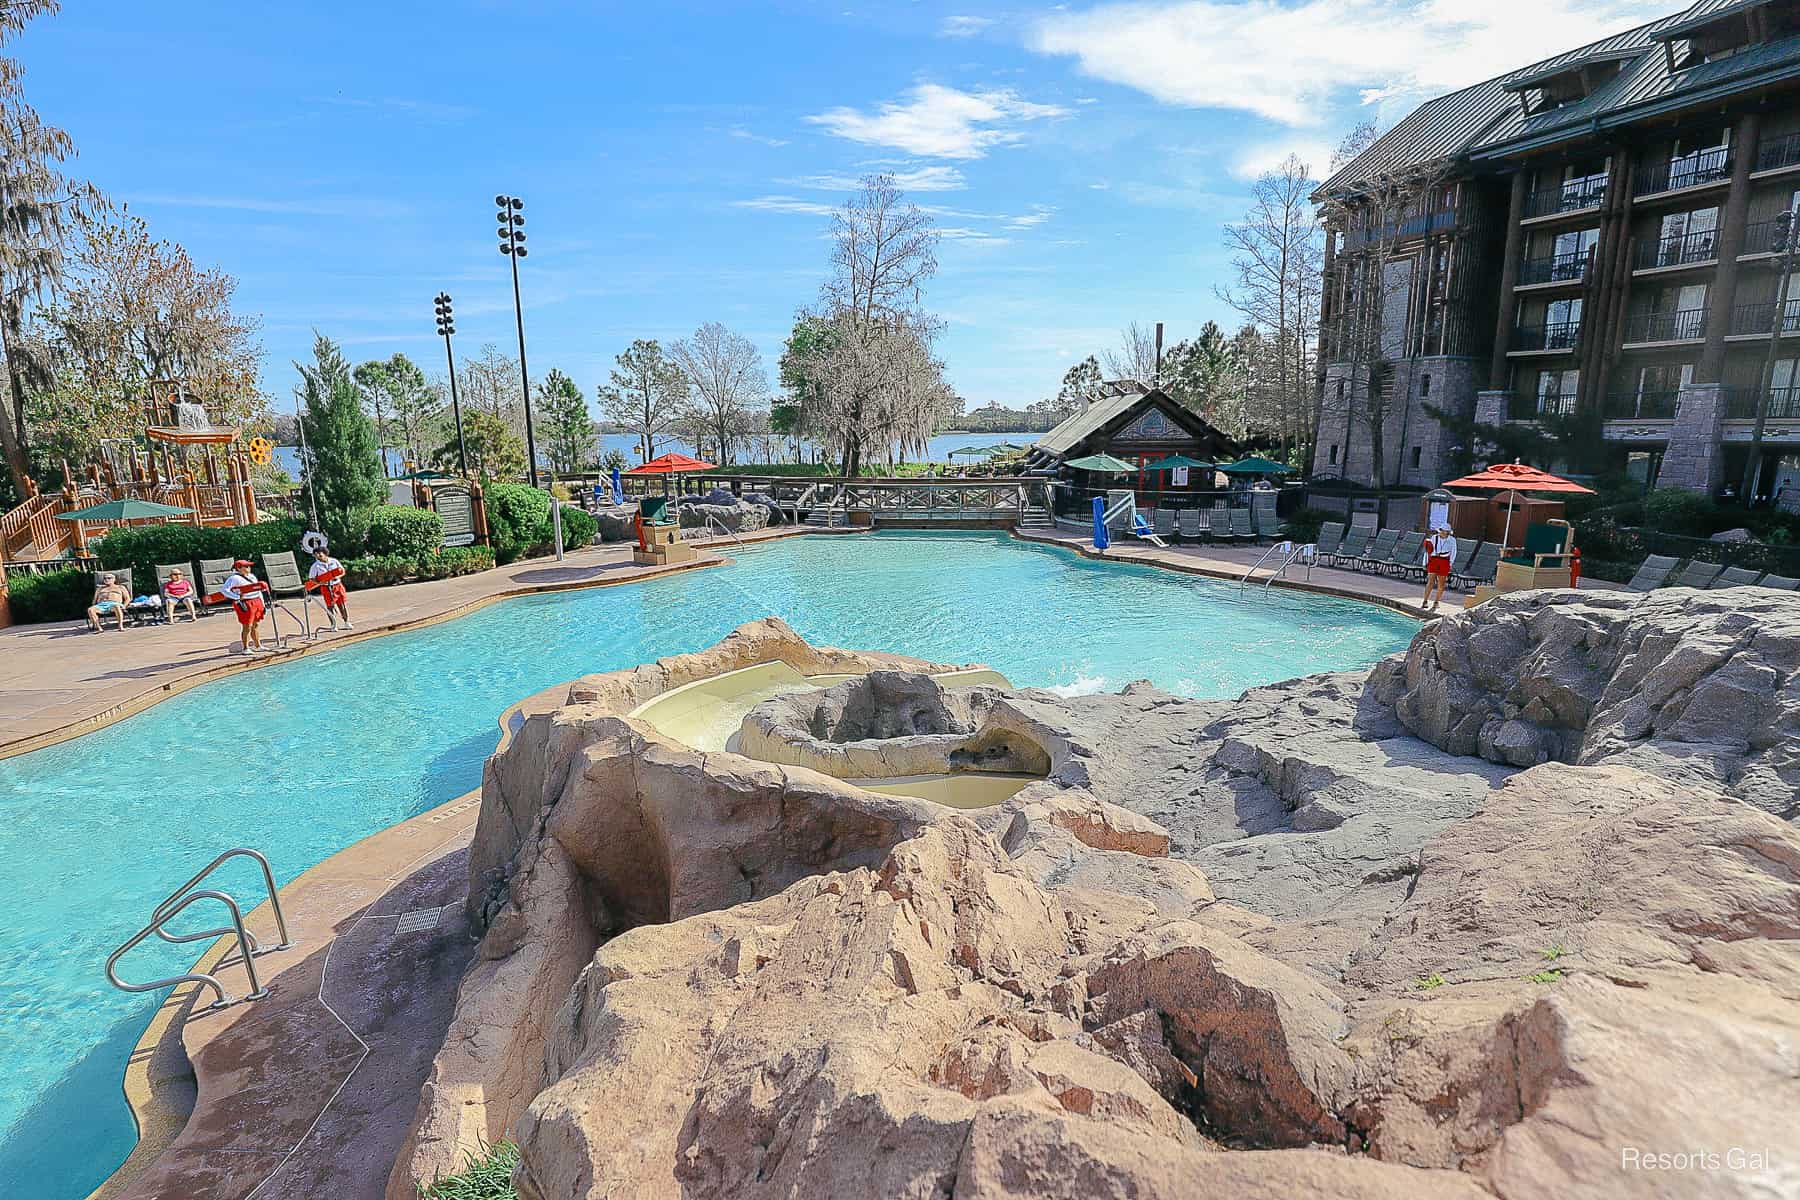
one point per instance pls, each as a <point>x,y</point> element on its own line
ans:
<point>1695,458</point>
<point>1417,451</point>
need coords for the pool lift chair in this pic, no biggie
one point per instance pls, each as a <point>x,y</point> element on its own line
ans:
<point>1289,553</point>
<point>1139,528</point>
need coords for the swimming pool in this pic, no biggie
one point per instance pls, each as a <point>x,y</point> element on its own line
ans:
<point>302,758</point>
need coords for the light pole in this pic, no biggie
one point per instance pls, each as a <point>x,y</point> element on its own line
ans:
<point>1781,241</point>
<point>446,325</point>
<point>512,244</point>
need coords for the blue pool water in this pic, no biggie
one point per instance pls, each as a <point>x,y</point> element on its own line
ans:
<point>302,758</point>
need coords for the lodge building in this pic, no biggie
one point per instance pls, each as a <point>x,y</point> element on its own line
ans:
<point>1589,234</point>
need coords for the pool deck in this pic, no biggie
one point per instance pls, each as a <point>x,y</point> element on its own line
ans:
<point>60,680</point>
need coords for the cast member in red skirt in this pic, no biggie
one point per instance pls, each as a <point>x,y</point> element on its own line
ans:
<point>246,593</point>
<point>327,578</point>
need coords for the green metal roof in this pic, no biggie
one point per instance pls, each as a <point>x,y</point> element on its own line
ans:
<point>1703,14</point>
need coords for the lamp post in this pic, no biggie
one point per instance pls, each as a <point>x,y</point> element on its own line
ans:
<point>446,325</point>
<point>512,244</point>
<point>1782,242</point>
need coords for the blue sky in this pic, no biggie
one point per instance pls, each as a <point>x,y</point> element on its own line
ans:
<point>676,159</point>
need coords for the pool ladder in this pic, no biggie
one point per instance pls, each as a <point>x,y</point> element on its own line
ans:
<point>1290,554</point>
<point>178,900</point>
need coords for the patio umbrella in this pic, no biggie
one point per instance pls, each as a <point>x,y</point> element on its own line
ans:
<point>123,510</point>
<point>421,475</point>
<point>976,451</point>
<point>1105,464</point>
<point>1517,477</point>
<point>670,464</point>
<point>1255,465</point>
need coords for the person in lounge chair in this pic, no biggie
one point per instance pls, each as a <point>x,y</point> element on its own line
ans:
<point>178,590</point>
<point>110,599</point>
<point>246,591</point>
<point>1440,552</point>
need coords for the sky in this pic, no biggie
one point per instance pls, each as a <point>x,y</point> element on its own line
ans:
<point>678,161</point>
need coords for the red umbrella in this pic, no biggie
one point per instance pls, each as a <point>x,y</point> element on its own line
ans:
<point>670,464</point>
<point>1517,477</point>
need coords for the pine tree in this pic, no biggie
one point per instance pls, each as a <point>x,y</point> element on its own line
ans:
<point>568,427</point>
<point>343,470</point>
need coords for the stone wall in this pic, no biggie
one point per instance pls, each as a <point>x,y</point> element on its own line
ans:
<point>1453,385</point>
<point>1695,458</point>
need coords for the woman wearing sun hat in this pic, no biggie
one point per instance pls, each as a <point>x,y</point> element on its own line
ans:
<point>1440,552</point>
<point>245,591</point>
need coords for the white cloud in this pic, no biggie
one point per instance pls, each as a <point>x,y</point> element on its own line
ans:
<point>1259,159</point>
<point>739,132</point>
<point>940,122</point>
<point>1037,216</point>
<point>954,233</point>
<point>963,26</point>
<point>920,179</point>
<point>1286,61</point>
<point>786,204</point>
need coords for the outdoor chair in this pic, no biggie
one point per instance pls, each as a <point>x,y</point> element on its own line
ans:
<point>1481,568</point>
<point>164,570</point>
<point>1242,530</point>
<point>1405,558</point>
<point>1543,562</point>
<point>1142,529</point>
<point>1379,551</point>
<point>1465,551</point>
<point>1191,524</point>
<point>1356,541</point>
<point>1164,522</point>
<point>1698,574</point>
<point>121,576</point>
<point>1331,536</point>
<point>1781,583</point>
<point>1266,523</point>
<point>213,572</point>
<point>282,573</point>
<point>1219,527</point>
<point>1652,574</point>
<point>1732,577</point>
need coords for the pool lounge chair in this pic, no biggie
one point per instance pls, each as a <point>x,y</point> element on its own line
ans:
<point>1465,551</point>
<point>1191,523</point>
<point>1781,583</point>
<point>1356,541</point>
<point>1481,568</point>
<point>1242,529</point>
<point>1379,550</point>
<point>1405,558</point>
<point>1331,536</point>
<point>1651,574</point>
<point>1732,577</point>
<point>1698,574</point>
<point>212,577</point>
<point>282,573</point>
<point>1164,522</point>
<point>164,570</point>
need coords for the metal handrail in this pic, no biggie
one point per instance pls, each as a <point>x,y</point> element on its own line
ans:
<point>726,529</point>
<point>163,911</point>
<point>256,992</point>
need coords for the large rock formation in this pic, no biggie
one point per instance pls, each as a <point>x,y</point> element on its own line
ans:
<point>1276,948</point>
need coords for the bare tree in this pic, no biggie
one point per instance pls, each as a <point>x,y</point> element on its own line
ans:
<point>646,394</point>
<point>490,384</point>
<point>1135,359</point>
<point>1277,259</point>
<point>727,381</point>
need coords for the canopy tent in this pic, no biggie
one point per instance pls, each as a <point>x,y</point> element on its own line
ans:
<point>1517,477</point>
<point>1256,464</point>
<point>1104,464</point>
<point>124,510</point>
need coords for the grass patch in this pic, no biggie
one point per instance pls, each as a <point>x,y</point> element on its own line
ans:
<point>1431,982</point>
<point>488,1177</point>
<point>1555,952</point>
<point>1551,976</point>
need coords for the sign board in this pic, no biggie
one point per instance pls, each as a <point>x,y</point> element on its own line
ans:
<point>453,504</point>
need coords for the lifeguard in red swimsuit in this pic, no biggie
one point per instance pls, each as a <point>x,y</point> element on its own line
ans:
<point>327,578</point>
<point>246,592</point>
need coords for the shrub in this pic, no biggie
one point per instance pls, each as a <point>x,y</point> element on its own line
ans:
<point>579,527</point>
<point>518,517</point>
<point>142,547</point>
<point>51,596</point>
<point>1674,510</point>
<point>409,532</point>
<point>488,1176</point>
<point>1303,524</point>
<point>348,531</point>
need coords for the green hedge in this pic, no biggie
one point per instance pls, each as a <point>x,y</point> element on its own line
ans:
<point>407,532</point>
<point>383,570</point>
<point>579,527</point>
<point>51,596</point>
<point>144,547</point>
<point>518,517</point>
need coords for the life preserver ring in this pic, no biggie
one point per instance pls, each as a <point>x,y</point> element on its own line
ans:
<point>262,451</point>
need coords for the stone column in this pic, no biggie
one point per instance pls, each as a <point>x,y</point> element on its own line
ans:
<point>1491,408</point>
<point>1732,216</point>
<point>1509,279</point>
<point>1695,460</point>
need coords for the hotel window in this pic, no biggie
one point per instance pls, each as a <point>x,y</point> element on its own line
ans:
<point>1334,454</point>
<point>1424,387</point>
<point>1418,456</point>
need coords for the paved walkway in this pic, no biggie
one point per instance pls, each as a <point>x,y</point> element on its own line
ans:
<point>60,679</point>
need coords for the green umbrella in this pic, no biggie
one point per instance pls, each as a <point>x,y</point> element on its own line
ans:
<point>974,450</point>
<point>1254,465</point>
<point>425,475</point>
<point>1106,464</point>
<point>123,510</point>
<point>1176,460</point>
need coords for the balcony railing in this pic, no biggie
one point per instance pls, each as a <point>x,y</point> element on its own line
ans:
<point>1656,405</point>
<point>1555,268</point>
<point>1573,196</point>
<point>1679,250</point>
<point>1555,335</point>
<point>1690,170</point>
<point>1536,408</point>
<point>1784,403</point>
<point>1759,237</point>
<point>1778,152</point>
<point>1759,318</point>
<point>1412,226</point>
<point>1686,325</point>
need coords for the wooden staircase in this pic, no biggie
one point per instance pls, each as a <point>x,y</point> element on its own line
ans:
<point>31,532</point>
